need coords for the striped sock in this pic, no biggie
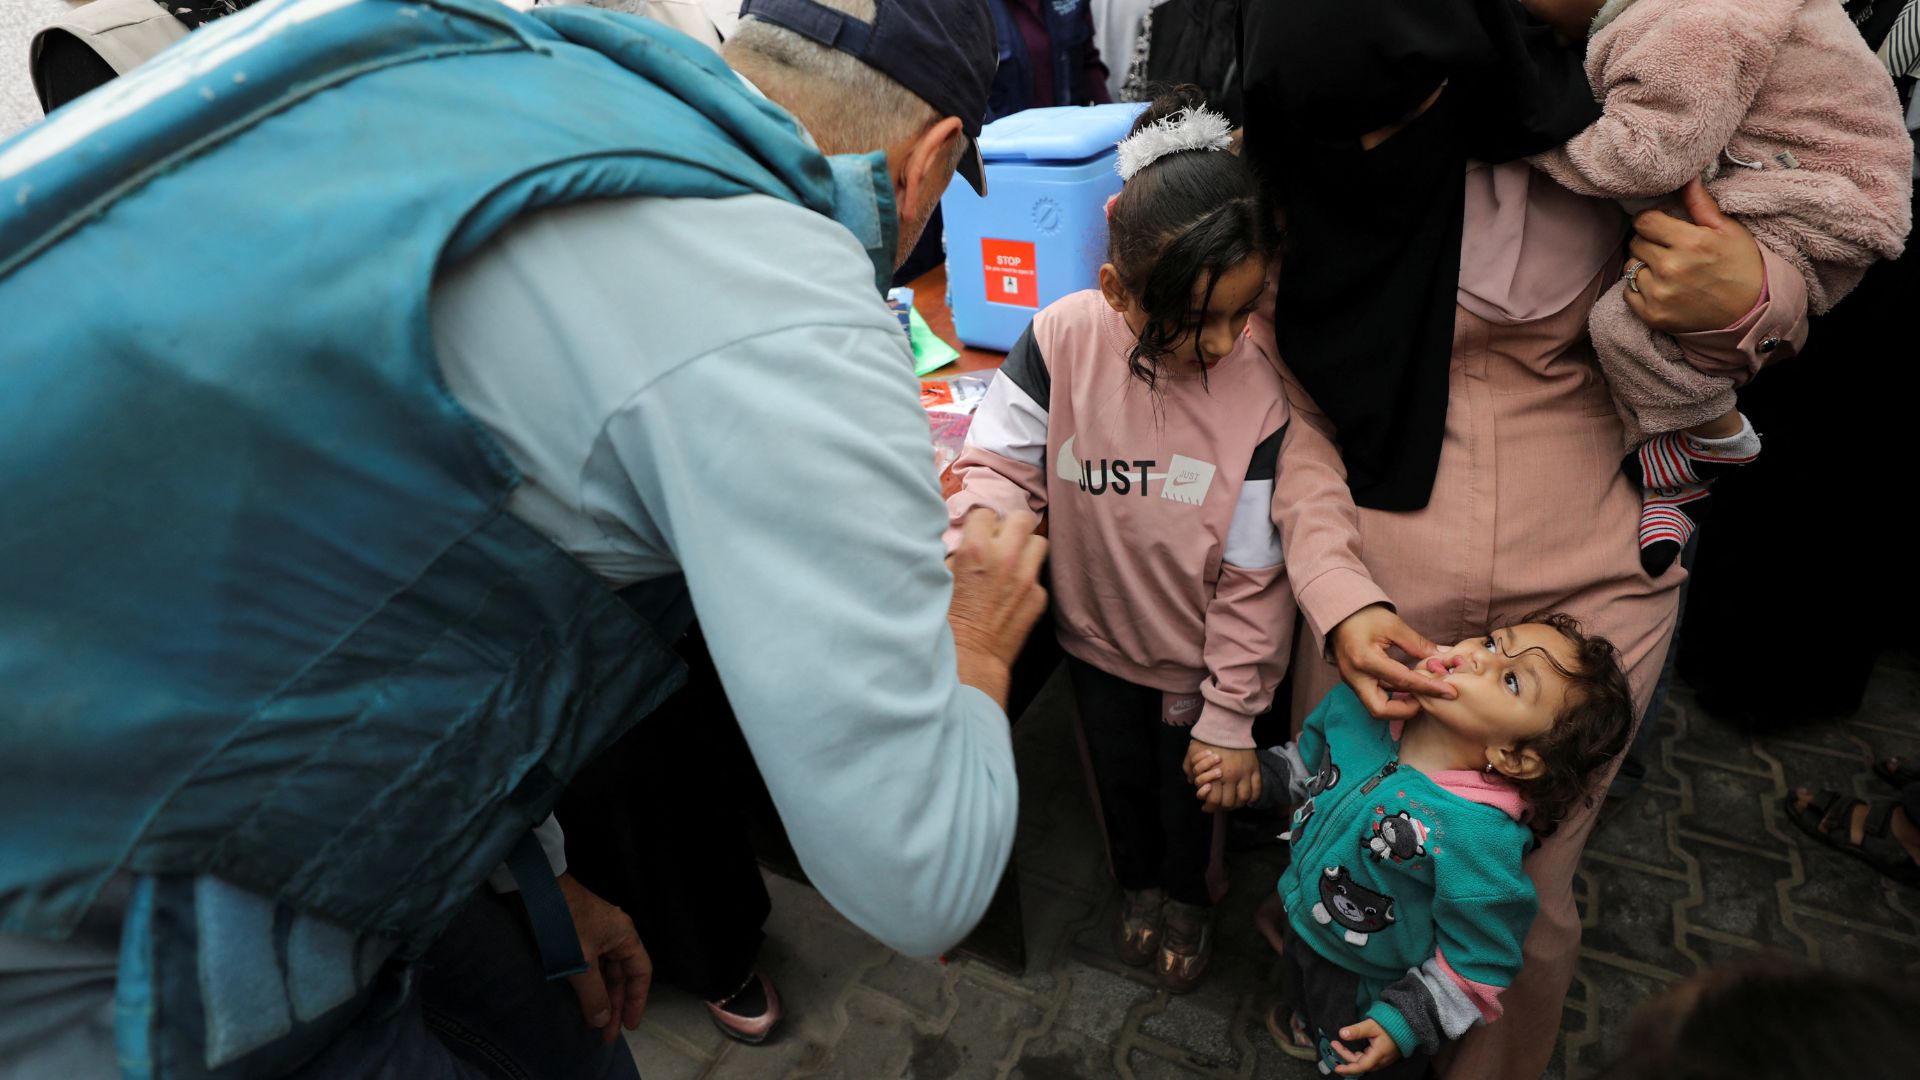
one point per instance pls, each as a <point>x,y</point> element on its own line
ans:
<point>1667,522</point>
<point>1673,471</point>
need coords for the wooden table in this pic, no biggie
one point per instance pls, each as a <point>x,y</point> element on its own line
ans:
<point>930,297</point>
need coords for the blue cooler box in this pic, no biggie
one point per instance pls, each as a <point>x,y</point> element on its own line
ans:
<point>1041,231</point>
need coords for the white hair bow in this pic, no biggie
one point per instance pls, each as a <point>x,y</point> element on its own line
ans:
<point>1188,129</point>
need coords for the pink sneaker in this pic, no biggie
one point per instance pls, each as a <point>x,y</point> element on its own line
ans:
<point>749,1015</point>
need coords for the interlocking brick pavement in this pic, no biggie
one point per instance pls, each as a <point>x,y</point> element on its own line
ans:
<point>1697,868</point>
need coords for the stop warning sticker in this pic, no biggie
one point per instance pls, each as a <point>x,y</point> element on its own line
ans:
<point>1011,275</point>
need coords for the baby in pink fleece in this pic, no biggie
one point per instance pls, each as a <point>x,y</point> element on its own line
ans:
<point>1784,112</point>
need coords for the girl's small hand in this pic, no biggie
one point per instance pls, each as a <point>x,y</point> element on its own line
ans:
<point>1238,783</point>
<point>1380,1052</point>
<point>1203,770</point>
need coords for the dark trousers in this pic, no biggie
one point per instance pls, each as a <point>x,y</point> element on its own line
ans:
<point>1804,535</point>
<point>657,825</point>
<point>1157,835</point>
<point>480,1008</point>
<point>1327,997</point>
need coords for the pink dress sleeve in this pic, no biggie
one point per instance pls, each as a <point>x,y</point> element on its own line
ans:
<point>1249,638</point>
<point>1775,329</point>
<point>1319,523</point>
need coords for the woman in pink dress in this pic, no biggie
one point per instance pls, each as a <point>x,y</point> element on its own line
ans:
<point>1457,459</point>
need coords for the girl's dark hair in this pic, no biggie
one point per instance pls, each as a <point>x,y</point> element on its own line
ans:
<point>1772,1019</point>
<point>1590,731</point>
<point>1187,217</point>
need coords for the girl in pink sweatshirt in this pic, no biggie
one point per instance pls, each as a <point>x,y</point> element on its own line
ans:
<point>1144,422</point>
<point>1782,109</point>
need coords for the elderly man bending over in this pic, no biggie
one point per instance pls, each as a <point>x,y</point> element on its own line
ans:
<point>531,336</point>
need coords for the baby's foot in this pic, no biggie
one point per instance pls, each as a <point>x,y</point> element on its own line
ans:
<point>1673,471</point>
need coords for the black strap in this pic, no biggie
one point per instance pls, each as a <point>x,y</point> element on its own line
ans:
<point>553,932</point>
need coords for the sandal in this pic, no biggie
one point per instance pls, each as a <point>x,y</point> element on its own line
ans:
<point>1897,771</point>
<point>1290,1035</point>
<point>1829,819</point>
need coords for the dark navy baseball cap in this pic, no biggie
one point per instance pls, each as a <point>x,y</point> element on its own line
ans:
<point>941,50</point>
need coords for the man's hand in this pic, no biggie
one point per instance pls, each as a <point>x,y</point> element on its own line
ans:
<point>996,595</point>
<point>1360,645</point>
<point>1701,276</point>
<point>613,989</point>
<point>1224,778</point>
<point>1380,1051</point>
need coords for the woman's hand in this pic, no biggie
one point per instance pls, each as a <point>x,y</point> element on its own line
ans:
<point>1231,777</point>
<point>1701,276</point>
<point>1360,645</point>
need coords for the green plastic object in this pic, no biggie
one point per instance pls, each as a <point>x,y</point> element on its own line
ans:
<point>929,351</point>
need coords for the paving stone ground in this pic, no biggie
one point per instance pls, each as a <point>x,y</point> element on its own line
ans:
<point>1698,868</point>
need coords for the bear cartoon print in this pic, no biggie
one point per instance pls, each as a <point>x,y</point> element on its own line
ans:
<point>1400,837</point>
<point>1360,911</point>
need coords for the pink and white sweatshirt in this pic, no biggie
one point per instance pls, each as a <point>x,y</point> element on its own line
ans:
<point>1166,563</point>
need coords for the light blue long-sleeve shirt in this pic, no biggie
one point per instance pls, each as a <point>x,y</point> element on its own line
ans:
<point>712,387</point>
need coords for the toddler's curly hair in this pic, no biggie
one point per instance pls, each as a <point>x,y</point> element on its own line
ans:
<point>1590,731</point>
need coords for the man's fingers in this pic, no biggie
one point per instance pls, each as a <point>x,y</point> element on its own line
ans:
<point>1032,606</point>
<point>1033,555</point>
<point>591,989</point>
<point>616,999</point>
<point>1019,523</point>
<point>978,527</point>
<point>1202,792</point>
<point>636,968</point>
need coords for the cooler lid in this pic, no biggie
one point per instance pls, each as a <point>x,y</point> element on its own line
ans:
<point>1066,133</point>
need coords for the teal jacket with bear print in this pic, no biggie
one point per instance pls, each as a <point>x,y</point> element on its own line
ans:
<point>1411,881</point>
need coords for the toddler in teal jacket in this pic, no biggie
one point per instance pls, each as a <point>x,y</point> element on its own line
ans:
<point>1406,902</point>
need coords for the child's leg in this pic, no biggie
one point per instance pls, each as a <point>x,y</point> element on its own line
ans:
<point>1328,997</point>
<point>1682,420</point>
<point>1187,830</point>
<point>1121,721</point>
<point>1673,471</point>
<point>1186,945</point>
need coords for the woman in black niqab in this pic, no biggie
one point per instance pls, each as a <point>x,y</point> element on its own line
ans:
<point>1365,304</point>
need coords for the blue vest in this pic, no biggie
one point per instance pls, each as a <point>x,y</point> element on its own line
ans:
<point>263,617</point>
